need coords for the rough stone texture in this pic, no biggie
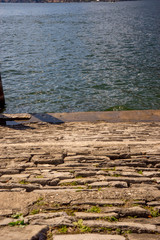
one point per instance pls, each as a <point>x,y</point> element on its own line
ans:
<point>55,222</point>
<point>16,202</point>
<point>134,211</point>
<point>105,175</point>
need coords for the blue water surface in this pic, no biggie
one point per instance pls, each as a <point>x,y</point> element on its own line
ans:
<point>65,57</point>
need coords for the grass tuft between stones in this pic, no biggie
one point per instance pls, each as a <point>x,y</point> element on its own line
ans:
<point>17,223</point>
<point>34,211</point>
<point>81,227</point>
<point>74,183</point>
<point>94,209</point>
<point>24,182</point>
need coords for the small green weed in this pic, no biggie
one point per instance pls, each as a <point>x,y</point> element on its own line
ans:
<point>108,169</point>
<point>82,228</point>
<point>24,182</point>
<point>111,219</point>
<point>118,231</point>
<point>79,188</point>
<point>140,172</point>
<point>96,165</point>
<point>40,202</point>
<point>70,212</point>
<point>17,223</point>
<point>63,229</point>
<point>17,215</point>
<point>135,205</point>
<point>69,183</point>
<point>128,232</point>
<point>116,175</point>
<point>55,205</point>
<point>153,212</point>
<point>105,229</point>
<point>39,176</point>
<point>94,209</point>
<point>108,205</point>
<point>35,211</point>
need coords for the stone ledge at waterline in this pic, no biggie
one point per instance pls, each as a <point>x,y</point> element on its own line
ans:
<point>108,116</point>
<point>83,178</point>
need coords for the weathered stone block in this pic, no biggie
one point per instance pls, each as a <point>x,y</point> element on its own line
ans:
<point>88,237</point>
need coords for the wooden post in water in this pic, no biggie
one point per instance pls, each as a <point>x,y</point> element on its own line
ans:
<point>2,100</point>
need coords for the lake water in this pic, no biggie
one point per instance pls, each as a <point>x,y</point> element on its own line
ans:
<point>66,57</point>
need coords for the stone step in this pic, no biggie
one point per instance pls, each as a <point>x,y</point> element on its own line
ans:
<point>76,181</point>
<point>151,174</point>
<point>28,187</point>
<point>153,203</point>
<point>97,202</point>
<point>117,184</point>
<point>118,163</point>
<point>134,212</point>
<point>41,216</point>
<point>125,226</point>
<point>88,173</point>
<point>94,216</point>
<point>130,179</point>
<point>147,169</point>
<point>55,222</point>
<point>9,171</point>
<point>45,159</point>
<point>15,177</point>
<point>85,158</point>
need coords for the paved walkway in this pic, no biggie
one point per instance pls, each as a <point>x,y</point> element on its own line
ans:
<point>100,179</point>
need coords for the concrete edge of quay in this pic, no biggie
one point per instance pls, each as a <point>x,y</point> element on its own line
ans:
<point>57,118</point>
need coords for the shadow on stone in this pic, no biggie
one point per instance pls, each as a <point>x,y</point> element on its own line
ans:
<point>46,118</point>
<point>10,122</point>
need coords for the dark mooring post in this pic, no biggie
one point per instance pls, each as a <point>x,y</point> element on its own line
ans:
<point>2,100</point>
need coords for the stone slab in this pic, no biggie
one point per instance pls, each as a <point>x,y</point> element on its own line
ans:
<point>26,233</point>
<point>88,237</point>
<point>134,227</point>
<point>55,222</point>
<point>88,215</point>
<point>16,200</point>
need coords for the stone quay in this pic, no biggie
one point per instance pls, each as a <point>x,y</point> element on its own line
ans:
<point>80,176</point>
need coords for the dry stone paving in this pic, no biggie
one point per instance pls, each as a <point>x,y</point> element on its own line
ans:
<point>96,180</point>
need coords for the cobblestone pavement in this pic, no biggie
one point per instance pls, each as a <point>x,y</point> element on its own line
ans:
<point>97,179</point>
